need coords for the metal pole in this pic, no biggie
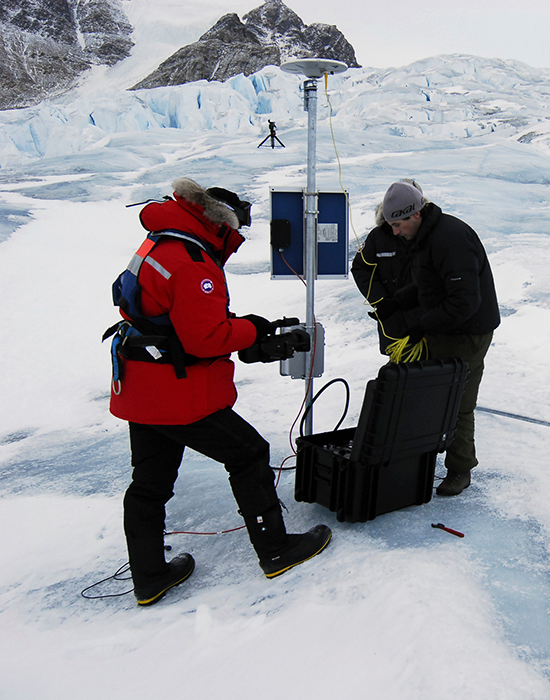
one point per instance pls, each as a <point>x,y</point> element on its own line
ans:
<point>310,92</point>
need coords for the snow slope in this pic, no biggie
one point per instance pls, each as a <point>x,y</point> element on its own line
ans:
<point>393,609</point>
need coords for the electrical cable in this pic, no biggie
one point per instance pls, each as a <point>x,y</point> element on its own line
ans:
<point>402,351</point>
<point>281,468</point>
<point>221,532</point>
<point>514,416</point>
<point>309,379</point>
<point>302,280</point>
<point>397,349</point>
<point>126,567</point>
<point>326,386</point>
<point>340,166</point>
<point>117,576</point>
<point>360,247</point>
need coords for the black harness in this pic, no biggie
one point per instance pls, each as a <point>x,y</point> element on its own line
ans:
<point>149,338</point>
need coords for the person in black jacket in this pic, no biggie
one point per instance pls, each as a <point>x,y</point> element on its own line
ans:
<point>452,285</point>
<point>379,269</point>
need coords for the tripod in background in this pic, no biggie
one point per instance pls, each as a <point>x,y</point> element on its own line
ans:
<point>272,136</point>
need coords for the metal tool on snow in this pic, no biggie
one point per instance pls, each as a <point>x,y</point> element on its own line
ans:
<point>448,529</point>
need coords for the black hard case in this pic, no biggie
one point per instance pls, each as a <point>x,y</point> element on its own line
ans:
<point>408,415</point>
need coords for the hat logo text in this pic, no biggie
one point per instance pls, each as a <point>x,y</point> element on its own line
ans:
<point>402,213</point>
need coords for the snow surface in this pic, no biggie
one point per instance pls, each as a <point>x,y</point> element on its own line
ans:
<point>393,609</point>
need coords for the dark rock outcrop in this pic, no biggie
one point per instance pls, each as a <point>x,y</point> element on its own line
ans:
<point>268,35</point>
<point>46,44</point>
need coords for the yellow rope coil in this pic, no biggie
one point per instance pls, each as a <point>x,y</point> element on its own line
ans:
<point>402,351</point>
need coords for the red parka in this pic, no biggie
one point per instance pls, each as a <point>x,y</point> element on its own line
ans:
<point>192,290</point>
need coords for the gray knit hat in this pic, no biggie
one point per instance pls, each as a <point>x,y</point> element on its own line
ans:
<point>402,200</point>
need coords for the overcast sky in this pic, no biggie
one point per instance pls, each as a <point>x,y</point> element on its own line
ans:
<point>388,33</point>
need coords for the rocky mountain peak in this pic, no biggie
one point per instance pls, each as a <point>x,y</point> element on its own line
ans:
<point>229,30</point>
<point>268,35</point>
<point>46,44</point>
<point>274,18</point>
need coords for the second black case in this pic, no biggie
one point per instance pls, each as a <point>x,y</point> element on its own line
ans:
<point>408,415</point>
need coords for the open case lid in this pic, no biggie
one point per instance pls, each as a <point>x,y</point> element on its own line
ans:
<point>409,409</point>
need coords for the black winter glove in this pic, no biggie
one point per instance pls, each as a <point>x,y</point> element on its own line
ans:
<point>415,333</point>
<point>262,325</point>
<point>385,308</point>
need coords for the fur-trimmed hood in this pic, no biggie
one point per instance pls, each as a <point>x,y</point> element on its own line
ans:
<point>194,211</point>
<point>214,210</point>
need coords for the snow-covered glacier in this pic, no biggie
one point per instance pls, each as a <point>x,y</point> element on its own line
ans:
<point>396,608</point>
<point>445,97</point>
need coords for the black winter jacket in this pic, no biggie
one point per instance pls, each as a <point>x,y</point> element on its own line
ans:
<point>452,279</point>
<point>379,269</point>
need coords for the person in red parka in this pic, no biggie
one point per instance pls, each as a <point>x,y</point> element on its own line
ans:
<point>174,385</point>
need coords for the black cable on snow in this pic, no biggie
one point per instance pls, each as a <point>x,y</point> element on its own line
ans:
<point>515,416</point>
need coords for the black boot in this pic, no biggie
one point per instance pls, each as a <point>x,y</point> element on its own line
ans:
<point>453,484</point>
<point>179,569</point>
<point>278,551</point>
<point>151,575</point>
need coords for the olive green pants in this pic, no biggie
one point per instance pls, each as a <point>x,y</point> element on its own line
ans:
<point>461,454</point>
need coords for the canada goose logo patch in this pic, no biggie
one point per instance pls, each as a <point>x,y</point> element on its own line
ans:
<point>207,286</point>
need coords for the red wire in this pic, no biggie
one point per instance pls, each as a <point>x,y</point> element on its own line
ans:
<point>292,269</point>
<point>222,532</point>
<point>280,470</point>
<point>310,378</point>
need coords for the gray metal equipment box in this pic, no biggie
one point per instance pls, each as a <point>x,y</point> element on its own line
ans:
<point>295,366</point>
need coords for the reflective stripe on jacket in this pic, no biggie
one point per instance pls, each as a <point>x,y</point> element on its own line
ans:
<point>190,288</point>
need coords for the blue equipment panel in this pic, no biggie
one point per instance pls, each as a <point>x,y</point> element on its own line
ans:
<point>332,234</point>
<point>289,206</point>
